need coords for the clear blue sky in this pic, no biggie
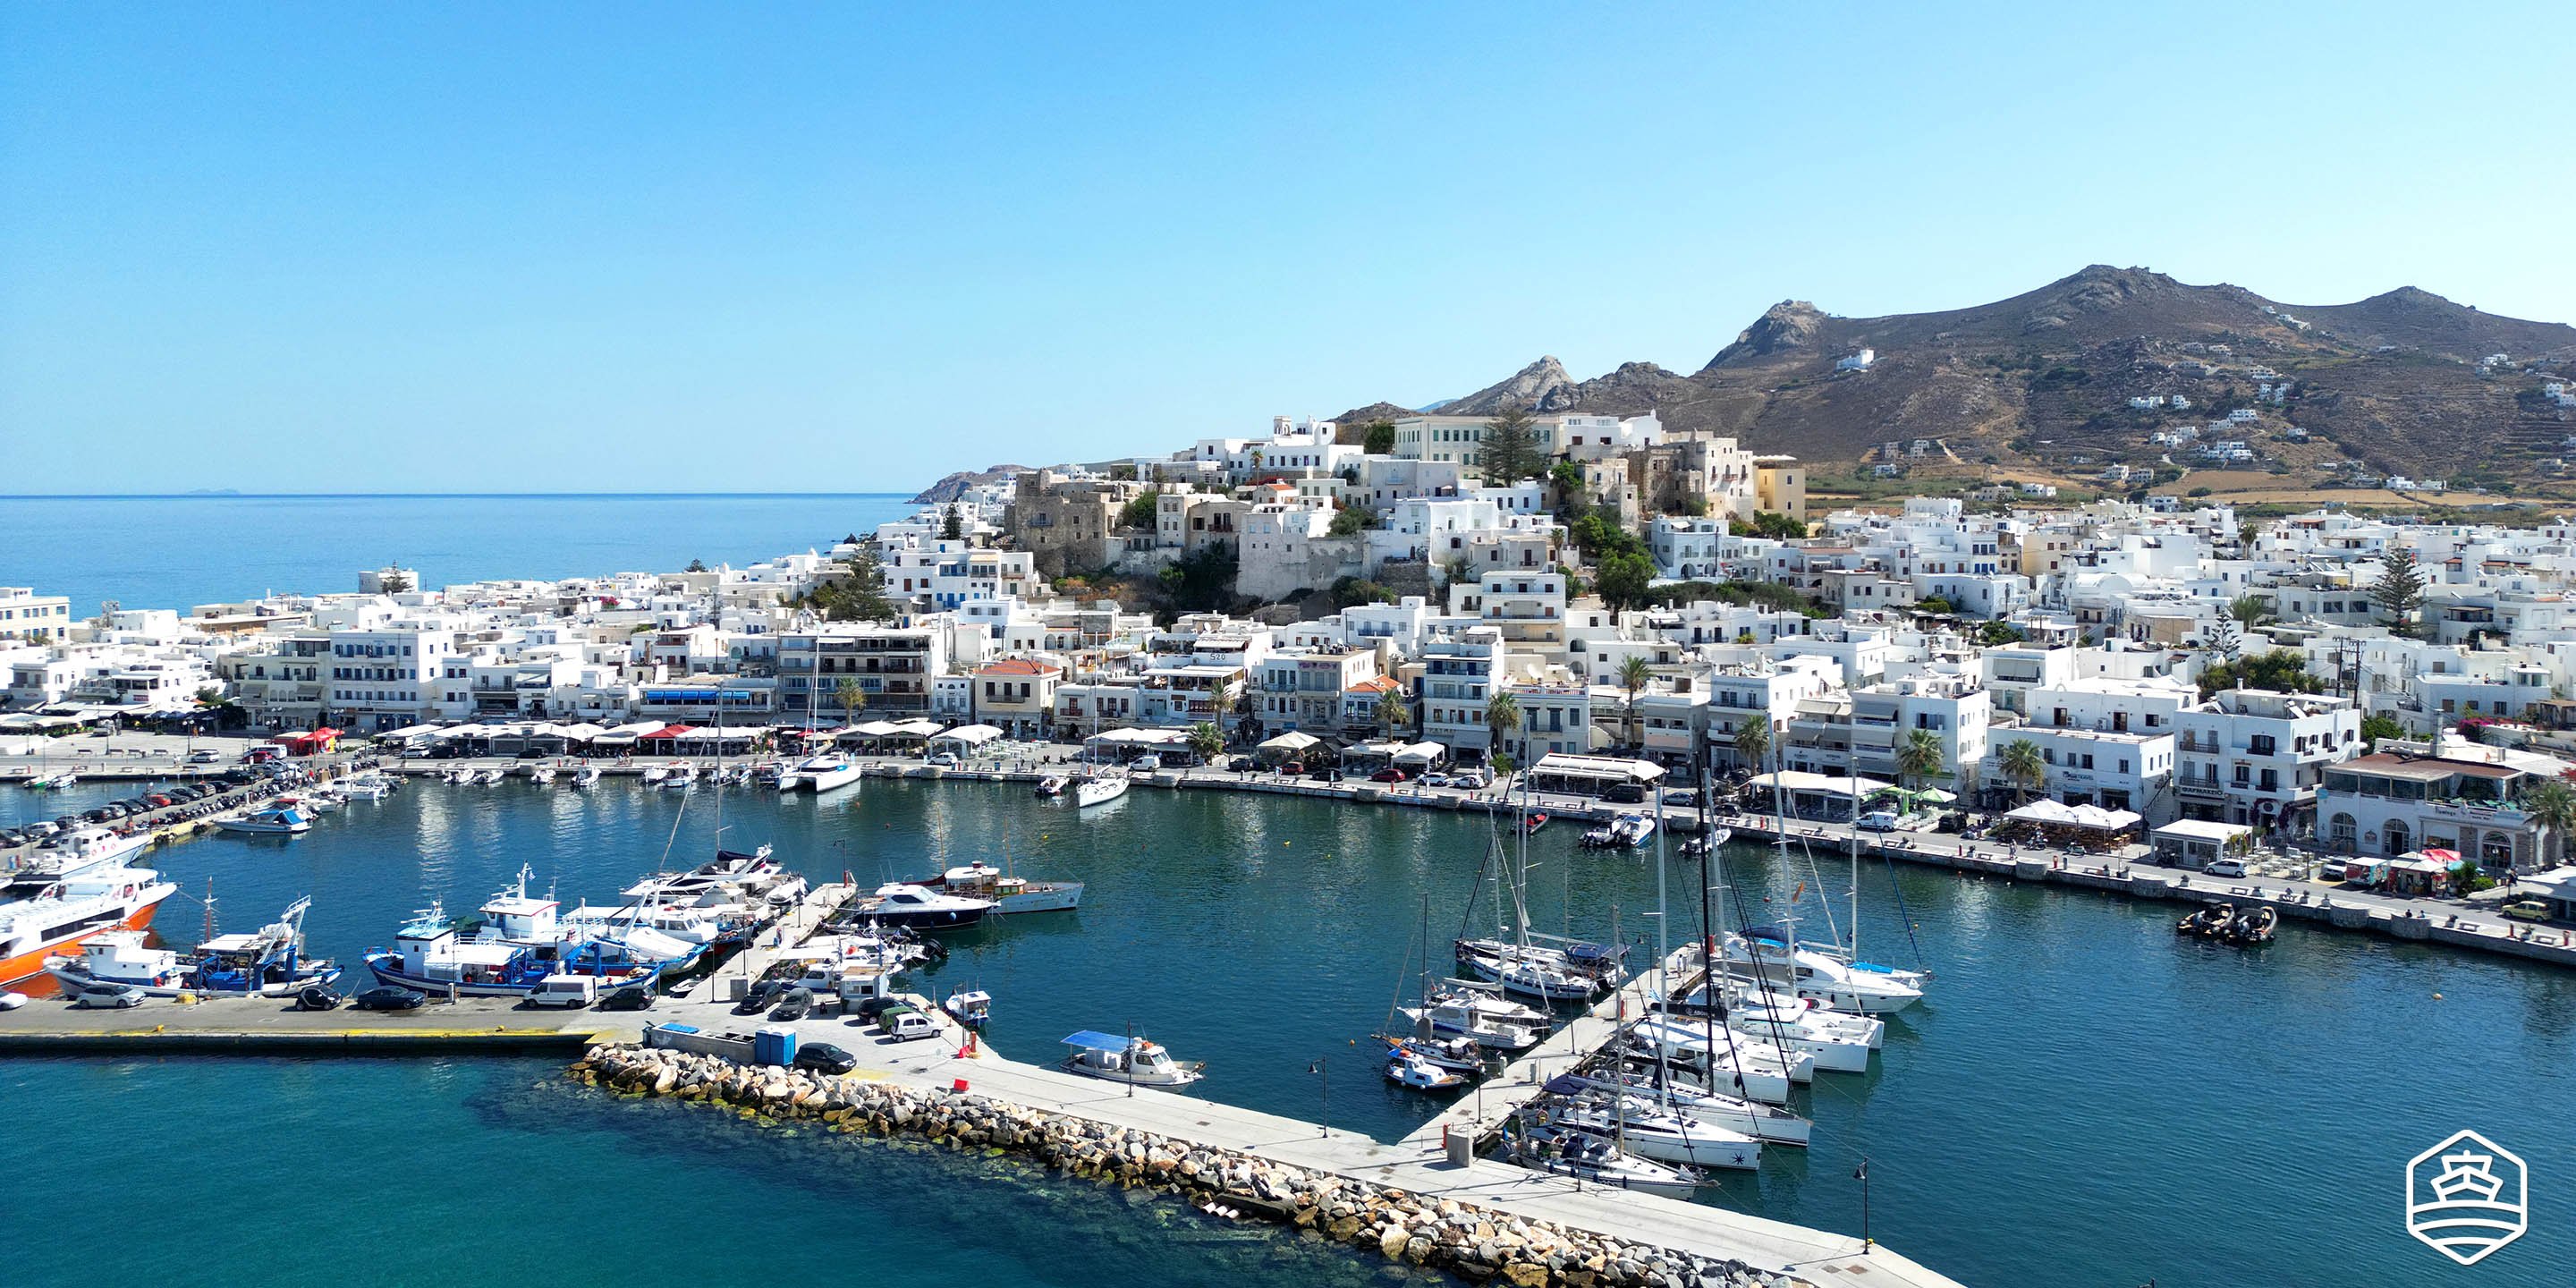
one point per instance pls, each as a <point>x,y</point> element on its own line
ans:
<point>641,247</point>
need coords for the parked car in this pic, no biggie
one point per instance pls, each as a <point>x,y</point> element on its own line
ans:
<point>318,997</point>
<point>633,997</point>
<point>906,1024</point>
<point>1474,780</point>
<point>1624,794</point>
<point>105,997</point>
<point>390,997</point>
<point>1434,779</point>
<point>1325,773</point>
<point>1293,767</point>
<point>760,996</point>
<point>204,757</point>
<point>1390,774</point>
<point>567,991</point>
<point>794,1004</point>
<point>2226,868</point>
<point>2527,910</point>
<point>1243,764</point>
<point>1684,796</point>
<point>823,1057</point>
<point>871,1008</point>
<point>945,760</point>
<point>12,836</point>
<point>1877,821</point>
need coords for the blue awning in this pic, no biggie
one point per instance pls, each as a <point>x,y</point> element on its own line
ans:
<point>1091,1041</point>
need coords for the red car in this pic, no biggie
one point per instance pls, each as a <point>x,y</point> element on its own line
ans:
<point>1390,774</point>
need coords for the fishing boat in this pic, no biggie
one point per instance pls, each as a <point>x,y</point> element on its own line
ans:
<point>1651,1131</point>
<point>1599,1160</point>
<point>1131,1060</point>
<point>1010,895</point>
<point>1051,786</point>
<point>269,963</point>
<point>48,915</point>
<point>513,916</point>
<point>275,820</point>
<point>827,772</point>
<point>971,1007</point>
<point>1406,1068</point>
<point>1101,790</point>
<point>918,908</point>
<point>431,955</point>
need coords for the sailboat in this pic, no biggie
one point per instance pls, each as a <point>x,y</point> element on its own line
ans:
<point>1554,968</point>
<point>1771,957</point>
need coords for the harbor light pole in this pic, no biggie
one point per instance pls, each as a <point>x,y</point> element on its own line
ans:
<point>1326,1073</point>
<point>1862,1173</point>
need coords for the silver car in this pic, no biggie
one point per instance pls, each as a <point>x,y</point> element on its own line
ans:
<point>108,997</point>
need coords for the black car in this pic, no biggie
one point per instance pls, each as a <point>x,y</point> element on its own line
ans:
<point>1243,764</point>
<point>389,997</point>
<point>761,995</point>
<point>1325,773</point>
<point>13,837</point>
<point>633,997</point>
<point>794,1004</point>
<point>823,1057</point>
<point>870,1009</point>
<point>1624,794</point>
<point>318,997</point>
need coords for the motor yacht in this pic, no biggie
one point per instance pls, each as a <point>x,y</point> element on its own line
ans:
<point>1131,1060</point>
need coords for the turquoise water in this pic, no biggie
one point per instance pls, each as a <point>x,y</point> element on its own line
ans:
<point>172,552</point>
<point>2083,1101</point>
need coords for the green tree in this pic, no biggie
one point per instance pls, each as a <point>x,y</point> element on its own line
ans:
<point>1753,741</point>
<point>852,696</point>
<point>1140,510</point>
<point>1394,714</point>
<point>1509,451</point>
<point>1633,675</point>
<point>209,696</point>
<point>400,583</point>
<point>952,524</point>
<point>1624,581</point>
<point>2551,803</point>
<point>2399,592</point>
<point>1377,438</point>
<point>1998,634</point>
<point>1352,520</point>
<point>2280,670</point>
<point>2375,727</point>
<point>695,565</point>
<point>1768,523</point>
<point>1918,758</point>
<point>2021,765</point>
<point>1573,500</point>
<point>1200,581</point>
<point>856,593</point>
<point>1206,740</point>
<point>1502,716</point>
<point>1935,605</point>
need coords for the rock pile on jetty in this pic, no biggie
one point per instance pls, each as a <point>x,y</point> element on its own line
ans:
<point>1475,1243</point>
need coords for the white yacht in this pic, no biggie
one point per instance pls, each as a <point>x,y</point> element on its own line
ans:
<point>372,785</point>
<point>1725,1060</point>
<point>828,772</point>
<point>276,820</point>
<point>1652,1131</point>
<point>1642,1080</point>
<point>1459,1017</point>
<point>1088,792</point>
<point>1770,958</point>
<point>1584,1156</point>
<point>1840,1043</point>
<point>1130,1060</point>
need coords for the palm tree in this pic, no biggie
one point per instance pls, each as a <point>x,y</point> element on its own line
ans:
<point>1753,741</point>
<point>1393,712</point>
<point>2249,610</point>
<point>1206,740</point>
<point>852,697</point>
<point>1918,758</point>
<point>1633,675</point>
<point>2021,765</point>
<point>1502,712</point>
<point>2552,804</point>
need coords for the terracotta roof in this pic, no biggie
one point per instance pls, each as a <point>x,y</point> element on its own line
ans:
<point>1378,684</point>
<point>1020,666</point>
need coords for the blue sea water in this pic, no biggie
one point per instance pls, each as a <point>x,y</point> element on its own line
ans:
<point>2084,1100</point>
<point>172,552</point>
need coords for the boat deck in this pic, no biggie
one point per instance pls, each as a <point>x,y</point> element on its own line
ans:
<point>51,1026</point>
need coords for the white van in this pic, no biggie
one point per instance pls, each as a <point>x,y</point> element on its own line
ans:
<point>1877,821</point>
<point>565,990</point>
<point>2226,868</point>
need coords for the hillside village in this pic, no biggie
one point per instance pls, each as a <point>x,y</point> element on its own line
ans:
<point>1603,598</point>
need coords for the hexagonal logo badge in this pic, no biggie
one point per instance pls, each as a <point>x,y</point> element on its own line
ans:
<point>2467,1197</point>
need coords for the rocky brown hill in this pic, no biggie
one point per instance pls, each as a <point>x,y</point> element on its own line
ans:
<point>2043,380</point>
<point>955,485</point>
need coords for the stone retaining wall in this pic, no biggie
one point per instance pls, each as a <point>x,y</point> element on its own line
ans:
<point>1472,1242</point>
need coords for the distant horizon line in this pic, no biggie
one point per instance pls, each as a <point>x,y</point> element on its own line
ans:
<point>226,495</point>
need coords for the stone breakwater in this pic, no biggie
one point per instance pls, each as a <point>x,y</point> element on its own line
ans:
<point>1466,1240</point>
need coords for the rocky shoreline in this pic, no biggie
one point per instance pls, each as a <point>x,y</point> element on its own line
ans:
<point>1472,1242</point>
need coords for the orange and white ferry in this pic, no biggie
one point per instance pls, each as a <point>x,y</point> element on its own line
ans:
<point>57,914</point>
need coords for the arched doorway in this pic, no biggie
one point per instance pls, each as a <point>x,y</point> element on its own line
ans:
<point>2400,839</point>
<point>2340,833</point>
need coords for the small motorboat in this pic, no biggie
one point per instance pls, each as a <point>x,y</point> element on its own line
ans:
<point>1051,786</point>
<point>542,775</point>
<point>970,1007</point>
<point>1131,1060</point>
<point>1464,1055</point>
<point>2254,926</point>
<point>680,779</point>
<point>1530,823</point>
<point>1406,1069</point>
<point>585,776</point>
<point>276,820</point>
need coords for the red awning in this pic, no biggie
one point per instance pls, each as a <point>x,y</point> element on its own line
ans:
<point>668,733</point>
